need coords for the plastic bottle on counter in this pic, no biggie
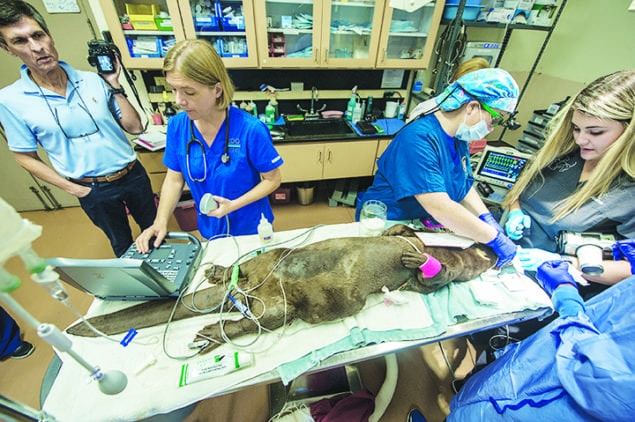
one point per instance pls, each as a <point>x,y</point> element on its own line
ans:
<point>265,231</point>
<point>254,109</point>
<point>402,109</point>
<point>270,113</point>
<point>169,111</point>
<point>350,108</point>
<point>369,109</point>
<point>274,103</point>
<point>357,113</point>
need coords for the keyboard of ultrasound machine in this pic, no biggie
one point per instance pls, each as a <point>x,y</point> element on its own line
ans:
<point>175,261</point>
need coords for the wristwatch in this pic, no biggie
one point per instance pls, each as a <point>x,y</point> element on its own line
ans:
<point>115,91</point>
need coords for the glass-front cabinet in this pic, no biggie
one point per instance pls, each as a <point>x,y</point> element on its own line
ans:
<point>143,30</point>
<point>305,33</point>
<point>407,38</point>
<point>227,25</point>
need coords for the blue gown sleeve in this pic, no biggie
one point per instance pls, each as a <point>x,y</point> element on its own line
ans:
<point>597,369</point>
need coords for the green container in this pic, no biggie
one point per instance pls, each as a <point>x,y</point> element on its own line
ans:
<point>163,24</point>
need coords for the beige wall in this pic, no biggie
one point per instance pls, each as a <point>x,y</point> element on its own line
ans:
<point>592,38</point>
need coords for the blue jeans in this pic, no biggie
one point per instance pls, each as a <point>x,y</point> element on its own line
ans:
<point>9,334</point>
<point>106,205</point>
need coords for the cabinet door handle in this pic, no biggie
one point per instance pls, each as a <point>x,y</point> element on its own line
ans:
<point>383,55</point>
<point>316,56</point>
<point>328,157</point>
<point>326,55</point>
<point>319,156</point>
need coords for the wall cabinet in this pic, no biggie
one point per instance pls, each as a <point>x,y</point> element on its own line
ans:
<point>154,26</point>
<point>145,38</point>
<point>327,160</point>
<point>344,34</point>
<point>322,33</point>
<point>407,38</point>
<point>277,33</point>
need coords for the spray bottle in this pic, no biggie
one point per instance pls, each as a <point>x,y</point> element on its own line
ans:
<point>352,103</point>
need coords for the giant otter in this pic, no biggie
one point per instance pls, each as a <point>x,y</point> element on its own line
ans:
<point>322,281</point>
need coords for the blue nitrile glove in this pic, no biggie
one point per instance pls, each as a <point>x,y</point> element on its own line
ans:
<point>504,248</point>
<point>554,273</point>
<point>625,249</point>
<point>531,258</point>
<point>489,219</point>
<point>517,221</point>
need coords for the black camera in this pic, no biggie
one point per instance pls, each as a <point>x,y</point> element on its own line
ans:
<point>102,55</point>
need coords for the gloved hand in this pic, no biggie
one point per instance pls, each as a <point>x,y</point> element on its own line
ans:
<point>625,249</point>
<point>531,258</point>
<point>489,219</point>
<point>504,248</point>
<point>556,280</point>
<point>517,221</point>
<point>554,273</point>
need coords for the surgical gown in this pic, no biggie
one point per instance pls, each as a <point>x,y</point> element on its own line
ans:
<point>579,368</point>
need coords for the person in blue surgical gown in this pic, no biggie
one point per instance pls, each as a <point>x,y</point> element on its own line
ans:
<point>581,367</point>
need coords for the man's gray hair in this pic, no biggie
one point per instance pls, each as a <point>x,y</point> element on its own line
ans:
<point>11,11</point>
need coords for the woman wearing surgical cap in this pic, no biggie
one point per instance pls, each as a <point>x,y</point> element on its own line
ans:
<point>425,171</point>
<point>583,179</point>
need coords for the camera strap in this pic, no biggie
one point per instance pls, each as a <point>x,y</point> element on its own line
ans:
<point>130,79</point>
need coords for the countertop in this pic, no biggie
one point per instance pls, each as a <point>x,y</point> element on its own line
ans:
<point>389,126</point>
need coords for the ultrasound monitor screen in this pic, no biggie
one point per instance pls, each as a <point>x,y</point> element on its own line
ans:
<point>502,167</point>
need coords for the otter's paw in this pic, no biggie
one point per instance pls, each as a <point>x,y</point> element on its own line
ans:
<point>413,259</point>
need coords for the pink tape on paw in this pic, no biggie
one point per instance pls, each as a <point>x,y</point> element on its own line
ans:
<point>431,267</point>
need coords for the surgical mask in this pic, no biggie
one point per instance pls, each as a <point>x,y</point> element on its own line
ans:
<point>472,133</point>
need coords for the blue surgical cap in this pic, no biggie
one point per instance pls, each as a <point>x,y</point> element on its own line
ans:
<point>492,86</point>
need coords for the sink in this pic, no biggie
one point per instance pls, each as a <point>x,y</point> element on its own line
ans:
<point>319,128</point>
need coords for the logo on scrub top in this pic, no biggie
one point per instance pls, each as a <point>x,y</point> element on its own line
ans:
<point>234,143</point>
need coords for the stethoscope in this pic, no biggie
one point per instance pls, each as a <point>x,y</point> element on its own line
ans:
<point>225,158</point>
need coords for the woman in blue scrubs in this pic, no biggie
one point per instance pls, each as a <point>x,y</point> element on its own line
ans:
<point>425,171</point>
<point>214,148</point>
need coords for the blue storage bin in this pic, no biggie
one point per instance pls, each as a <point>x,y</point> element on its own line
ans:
<point>130,43</point>
<point>470,13</point>
<point>236,23</point>
<point>206,23</point>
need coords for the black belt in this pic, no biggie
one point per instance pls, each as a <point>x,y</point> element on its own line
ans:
<point>107,178</point>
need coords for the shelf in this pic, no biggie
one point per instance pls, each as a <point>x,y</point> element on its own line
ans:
<point>500,25</point>
<point>352,4</point>
<point>221,34</point>
<point>135,32</point>
<point>291,1</point>
<point>409,34</point>
<point>294,95</point>
<point>290,31</point>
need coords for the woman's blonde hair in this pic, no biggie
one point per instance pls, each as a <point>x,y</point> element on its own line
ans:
<point>611,97</point>
<point>470,65</point>
<point>198,60</point>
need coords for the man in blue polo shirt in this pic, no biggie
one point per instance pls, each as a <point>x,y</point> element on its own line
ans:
<point>68,113</point>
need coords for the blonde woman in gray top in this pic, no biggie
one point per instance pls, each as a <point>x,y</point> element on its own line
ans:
<point>583,179</point>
